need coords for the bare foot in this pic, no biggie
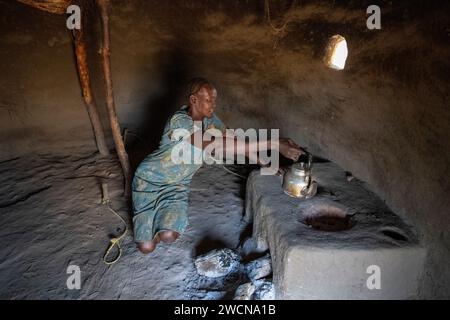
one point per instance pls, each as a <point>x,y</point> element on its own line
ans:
<point>168,236</point>
<point>148,246</point>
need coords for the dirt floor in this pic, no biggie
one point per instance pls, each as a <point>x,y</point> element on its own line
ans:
<point>52,216</point>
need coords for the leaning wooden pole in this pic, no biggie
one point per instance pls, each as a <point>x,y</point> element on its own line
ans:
<point>115,127</point>
<point>85,83</point>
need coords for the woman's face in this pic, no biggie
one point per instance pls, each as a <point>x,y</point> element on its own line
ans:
<point>204,101</point>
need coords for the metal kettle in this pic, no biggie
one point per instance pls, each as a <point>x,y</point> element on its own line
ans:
<point>297,180</point>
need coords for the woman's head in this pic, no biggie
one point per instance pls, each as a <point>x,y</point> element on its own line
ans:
<point>201,96</point>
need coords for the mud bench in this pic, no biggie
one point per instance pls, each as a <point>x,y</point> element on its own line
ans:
<point>344,243</point>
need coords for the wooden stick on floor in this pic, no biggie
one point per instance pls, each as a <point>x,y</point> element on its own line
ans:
<point>91,106</point>
<point>114,122</point>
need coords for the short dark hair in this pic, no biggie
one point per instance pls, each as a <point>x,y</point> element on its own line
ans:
<point>195,84</point>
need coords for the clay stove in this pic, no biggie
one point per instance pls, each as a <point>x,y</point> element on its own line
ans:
<point>327,247</point>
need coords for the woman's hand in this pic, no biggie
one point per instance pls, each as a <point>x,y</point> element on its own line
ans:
<point>289,149</point>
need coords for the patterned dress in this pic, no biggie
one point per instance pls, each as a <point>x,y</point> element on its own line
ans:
<point>161,186</point>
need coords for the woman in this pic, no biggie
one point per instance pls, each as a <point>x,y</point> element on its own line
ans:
<point>161,185</point>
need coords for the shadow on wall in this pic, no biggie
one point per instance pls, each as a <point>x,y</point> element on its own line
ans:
<point>158,108</point>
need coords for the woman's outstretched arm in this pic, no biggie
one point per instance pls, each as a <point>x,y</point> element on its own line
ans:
<point>238,146</point>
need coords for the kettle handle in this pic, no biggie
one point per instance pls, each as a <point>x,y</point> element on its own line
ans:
<point>308,181</point>
<point>310,158</point>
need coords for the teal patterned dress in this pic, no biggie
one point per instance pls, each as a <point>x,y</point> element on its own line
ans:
<point>161,186</point>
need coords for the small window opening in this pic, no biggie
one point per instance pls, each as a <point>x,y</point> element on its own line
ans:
<point>336,52</point>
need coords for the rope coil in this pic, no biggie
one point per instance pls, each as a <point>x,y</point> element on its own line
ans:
<point>115,241</point>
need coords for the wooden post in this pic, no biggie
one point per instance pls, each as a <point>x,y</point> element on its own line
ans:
<point>59,7</point>
<point>91,106</point>
<point>115,127</point>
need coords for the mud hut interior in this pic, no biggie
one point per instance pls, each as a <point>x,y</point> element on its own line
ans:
<point>362,86</point>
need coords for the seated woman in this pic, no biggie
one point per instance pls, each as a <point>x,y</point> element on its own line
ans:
<point>160,186</point>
